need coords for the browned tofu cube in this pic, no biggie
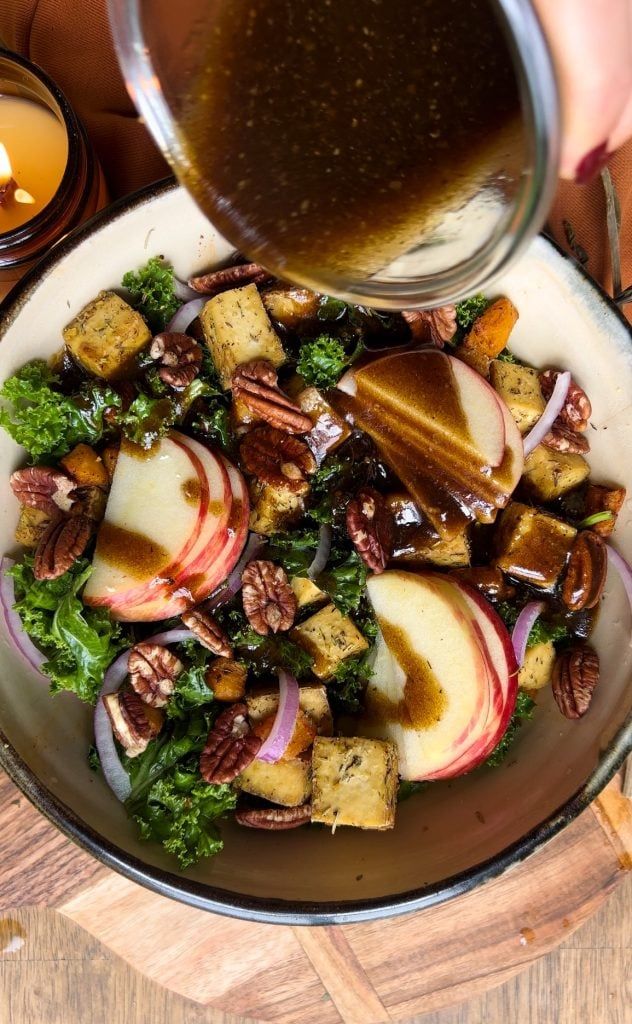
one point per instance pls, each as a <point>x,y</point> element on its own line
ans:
<point>237,329</point>
<point>274,509</point>
<point>330,637</point>
<point>86,467</point>
<point>287,782</point>
<point>91,501</point>
<point>31,526</point>
<point>312,701</point>
<point>533,546</point>
<point>227,679</point>
<point>354,782</point>
<point>107,336</point>
<point>536,670</point>
<point>290,306</point>
<point>329,430</point>
<point>519,388</point>
<point>604,499</point>
<point>306,591</point>
<point>549,474</point>
<point>414,546</point>
<point>489,335</point>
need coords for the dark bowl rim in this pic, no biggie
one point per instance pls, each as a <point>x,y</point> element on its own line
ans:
<point>205,896</point>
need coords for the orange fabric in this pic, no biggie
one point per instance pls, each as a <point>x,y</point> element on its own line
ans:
<point>71,40</point>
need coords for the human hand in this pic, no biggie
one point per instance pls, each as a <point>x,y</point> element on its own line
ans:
<point>591,42</point>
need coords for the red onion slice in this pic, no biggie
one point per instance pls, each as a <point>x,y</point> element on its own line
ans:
<point>15,630</point>
<point>182,290</point>
<point>113,771</point>
<point>552,410</point>
<point>322,552</point>
<point>524,625</point>
<point>181,320</point>
<point>273,748</point>
<point>232,585</point>
<point>623,568</point>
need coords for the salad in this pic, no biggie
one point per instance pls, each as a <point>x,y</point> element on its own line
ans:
<point>304,558</point>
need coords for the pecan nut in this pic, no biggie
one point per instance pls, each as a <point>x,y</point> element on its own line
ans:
<point>50,490</point>
<point>153,671</point>
<point>586,572</point>
<point>208,632</point>
<point>563,439</point>
<point>274,818</point>
<point>180,358</point>
<point>577,409</point>
<point>255,384</point>
<point>269,601</point>
<point>369,526</point>
<point>60,546</point>
<point>231,746</point>
<point>575,677</point>
<point>277,458</point>
<point>133,723</point>
<point>432,325</point>
<point>604,499</point>
<point>229,277</point>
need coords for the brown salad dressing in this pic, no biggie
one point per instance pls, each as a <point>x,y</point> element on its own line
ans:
<point>424,700</point>
<point>192,491</point>
<point>131,552</point>
<point>333,133</point>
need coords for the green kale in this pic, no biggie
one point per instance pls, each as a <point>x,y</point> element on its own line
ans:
<point>94,761</point>
<point>522,713</point>
<point>190,692</point>
<point>469,310</point>
<point>408,788</point>
<point>214,424</point>
<point>346,688</point>
<point>507,357</point>
<point>345,583</point>
<point>542,629</point>
<point>45,421</point>
<point>148,419</point>
<point>79,642</point>
<point>264,654</point>
<point>331,309</point>
<point>152,292</point>
<point>322,361</point>
<point>294,550</point>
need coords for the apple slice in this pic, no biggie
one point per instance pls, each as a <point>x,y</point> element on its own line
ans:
<point>237,529</point>
<point>485,421</point>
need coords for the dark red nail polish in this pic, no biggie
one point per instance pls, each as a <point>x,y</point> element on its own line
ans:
<point>592,164</point>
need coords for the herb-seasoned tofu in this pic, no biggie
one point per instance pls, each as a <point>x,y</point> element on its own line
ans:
<point>330,637</point>
<point>287,782</point>
<point>519,388</point>
<point>86,467</point>
<point>604,499</point>
<point>31,526</point>
<point>106,336</point>
<point>354,782</point>
<point>537,668</point>
<point>415,546</point>
<point>329,430</point>
<point>290,306</point>
<point>489,335</point>
<point>237,329</point>
<point>312,700</point>
<point>533,546</point>
<point>549,474</point>
<point>273,509</point>
<point>306,591</point>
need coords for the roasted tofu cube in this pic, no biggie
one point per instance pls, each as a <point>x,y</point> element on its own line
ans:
<point>237,329</point>
<point>86,467</point>
<point>489,335</point>
<point>537,668</point>
<point>533,546</point>
<point>273,509</point>
<point>31,526</point>
<point>91,502</point>
<point>226,678</point>
<point>287,782</point>
<point>107,336</point>
<point>329,430</point>
<point>354,782</point>
<point>312,701</point>
<point>330,637</point>
<point>519,388</point>
<point>415,546</point>
<point>604,499</point>
<point>404,510</point>
<point>302,734</point>
<point>549,474</point>
<point>109,456</point>
<point>306,591</point>
<point>290,306</point>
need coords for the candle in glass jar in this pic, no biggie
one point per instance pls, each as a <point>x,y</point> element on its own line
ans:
<point>33,158</point>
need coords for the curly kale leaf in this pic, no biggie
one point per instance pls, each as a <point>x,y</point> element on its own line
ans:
<point>191,691</point>
<point>345,583</point>
<point>294,550</point>
<point>469,310</point>
<point>148,419</point>
<point>321,362</point>
<point>79,642</point>
<point>522,712</point>
<point>346,689</point>
<point>152,292</point>
<point>48,423</point>
<point>264,654</point>
<point>542,630</point>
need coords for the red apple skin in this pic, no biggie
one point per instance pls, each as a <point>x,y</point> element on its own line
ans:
<point>239,528</point>
<point>461,369</point>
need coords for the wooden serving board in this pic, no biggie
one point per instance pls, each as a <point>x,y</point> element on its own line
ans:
<point>356,974</point>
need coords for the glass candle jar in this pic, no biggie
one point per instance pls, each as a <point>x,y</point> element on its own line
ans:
<point>50,180</point>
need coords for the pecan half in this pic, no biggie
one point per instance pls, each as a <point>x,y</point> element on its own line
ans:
<point>49,490</point>
<point>180,358</point>
<point>604,499</point>
<point>230,747</point>
<point>207,631</point>
<point>562,439</point>
<point>255,384</point>
<point>277,458</point>
<point>153,671</point>
<point>370,528</point>
<point>60,546</point>
<point>575,677</point>
<point>432,325</point>
<point>586,572</point>
<point>274,818</point>
<point>229,277</point>
<point>577,408</point>
<point>133,723</point>
<point>269,601</point>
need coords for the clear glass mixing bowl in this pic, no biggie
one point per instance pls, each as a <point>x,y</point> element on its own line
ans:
<point>160,48</point>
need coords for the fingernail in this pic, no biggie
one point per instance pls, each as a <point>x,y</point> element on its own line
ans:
<point>592,164</point>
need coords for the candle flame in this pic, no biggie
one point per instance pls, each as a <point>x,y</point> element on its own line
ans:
<point>5,165</point>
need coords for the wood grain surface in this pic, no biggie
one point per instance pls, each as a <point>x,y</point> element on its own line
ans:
<point>232,970</point>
